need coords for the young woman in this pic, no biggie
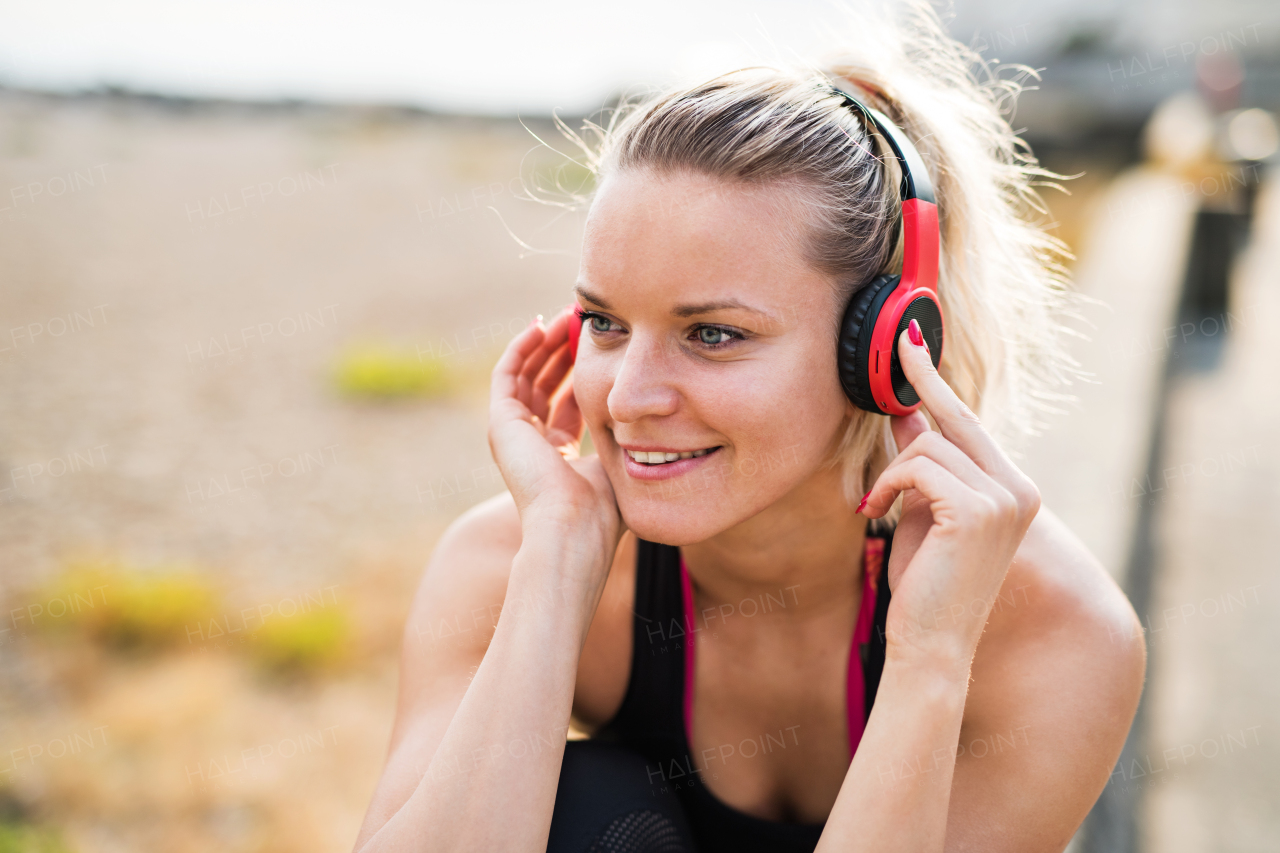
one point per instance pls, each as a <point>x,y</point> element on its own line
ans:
<point>762,658</point>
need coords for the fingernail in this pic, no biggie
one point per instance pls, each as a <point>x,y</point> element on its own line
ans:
<point>913,333</point>
<point>863,502</point>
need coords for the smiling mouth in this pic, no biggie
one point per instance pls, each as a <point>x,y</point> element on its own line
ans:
<point>657,457</point>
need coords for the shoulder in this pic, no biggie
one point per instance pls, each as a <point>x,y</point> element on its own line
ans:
<point>456,607</point>
<point>1055,685</point>
<point>461,595</point>
<point>1057,590</point>
<point>491,527</point>
<point>472,561</point>
<point>1063,626</point>
<point>476,550</point>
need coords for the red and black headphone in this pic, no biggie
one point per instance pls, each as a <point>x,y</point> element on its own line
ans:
<point>878,312</point>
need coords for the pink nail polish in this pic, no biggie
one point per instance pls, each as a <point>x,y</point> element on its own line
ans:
<point>913,334</point>
<point>863,502</point>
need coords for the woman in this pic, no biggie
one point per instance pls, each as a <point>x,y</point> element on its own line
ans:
<point>715,547</point>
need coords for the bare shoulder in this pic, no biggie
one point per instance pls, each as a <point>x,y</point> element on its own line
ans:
<point>456,607</point>
<point>476,549</point>
<point>469,568</point>
<point>1061,630</point>
<point>1057,591</point>
<point>461,595</point>
<point>1055,685</point>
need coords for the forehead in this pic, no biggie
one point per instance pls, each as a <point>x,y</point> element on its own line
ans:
<point>690,235</point>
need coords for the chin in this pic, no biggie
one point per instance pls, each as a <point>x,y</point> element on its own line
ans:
<point>671,522</point>
<point>680,514</point>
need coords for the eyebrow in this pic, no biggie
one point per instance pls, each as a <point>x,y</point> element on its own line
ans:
<point>682,310</point>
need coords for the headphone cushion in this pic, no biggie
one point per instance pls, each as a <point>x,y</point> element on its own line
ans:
<point>854,348</point>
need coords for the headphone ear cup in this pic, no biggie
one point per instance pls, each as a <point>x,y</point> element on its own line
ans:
<point>926,313</point>
<point>854,349</point>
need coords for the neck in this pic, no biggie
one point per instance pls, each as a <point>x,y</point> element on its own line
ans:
<point>806,547</point>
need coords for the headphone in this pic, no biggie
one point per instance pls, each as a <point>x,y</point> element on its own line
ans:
<point>878,312</point>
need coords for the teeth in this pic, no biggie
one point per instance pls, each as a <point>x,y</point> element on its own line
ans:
<point>659,458</point>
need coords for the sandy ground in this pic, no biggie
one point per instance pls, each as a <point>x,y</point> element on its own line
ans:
<point>177,287</point>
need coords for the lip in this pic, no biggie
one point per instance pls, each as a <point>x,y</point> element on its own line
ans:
<point>665,471</point>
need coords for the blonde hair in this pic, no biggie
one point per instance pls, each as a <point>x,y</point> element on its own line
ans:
<point>1001,277</point>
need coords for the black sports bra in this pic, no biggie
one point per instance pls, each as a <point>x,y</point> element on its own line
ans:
<point>656,710</point>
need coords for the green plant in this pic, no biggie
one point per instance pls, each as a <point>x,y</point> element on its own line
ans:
<point>378,370</point>
<point>302,642</point>
<point>131,608</point>
<point>26,838</point>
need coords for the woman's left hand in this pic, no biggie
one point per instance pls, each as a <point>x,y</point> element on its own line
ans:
<point>965,510</point>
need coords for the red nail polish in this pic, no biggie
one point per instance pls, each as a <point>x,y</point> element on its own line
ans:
<point>913,334</point>
<point>863,502</point>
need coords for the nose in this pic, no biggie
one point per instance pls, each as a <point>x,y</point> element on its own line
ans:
<point>643,386</point>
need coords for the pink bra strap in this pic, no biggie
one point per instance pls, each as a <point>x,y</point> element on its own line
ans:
<point>855,699</point>
<point>856,691</point>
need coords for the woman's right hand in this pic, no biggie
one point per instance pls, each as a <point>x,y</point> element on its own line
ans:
<point>534,436</point>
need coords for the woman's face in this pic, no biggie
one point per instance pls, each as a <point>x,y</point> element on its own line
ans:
<point>706,333</point>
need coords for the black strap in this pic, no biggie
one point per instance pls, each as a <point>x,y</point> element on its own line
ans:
<point>652,710</point>
<point>651,717</point>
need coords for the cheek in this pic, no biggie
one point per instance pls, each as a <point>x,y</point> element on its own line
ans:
<point>792,403</point>
<point>760,406</point>
<point>591,384</point>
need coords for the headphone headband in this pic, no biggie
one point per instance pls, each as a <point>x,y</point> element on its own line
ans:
<point>879,312</point>
<point>915,178</point>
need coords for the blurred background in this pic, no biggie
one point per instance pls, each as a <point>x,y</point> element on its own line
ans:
<point>256,260</point>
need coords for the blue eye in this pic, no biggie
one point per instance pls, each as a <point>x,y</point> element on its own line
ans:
<point>706,336</point>
<point>598,324</point>
<point>717,337</point>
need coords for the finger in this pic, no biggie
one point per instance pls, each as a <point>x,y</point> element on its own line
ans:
<point>565,414</point>
<point>551,377</point>
<point>932,445</point>
<point>905,429</point>
<point>955,420</point>
<point>555,335</point>
<point>554,370</point>
<point>945,492</point>
<point>504,381</point>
